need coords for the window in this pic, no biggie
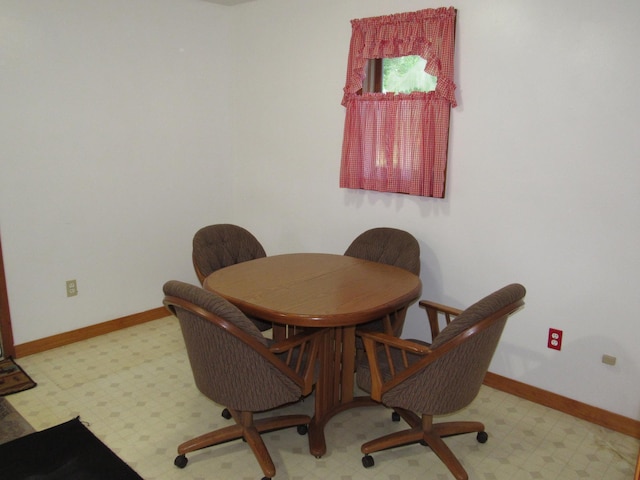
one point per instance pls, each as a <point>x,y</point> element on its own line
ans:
<point>398,75</point>
<point>398,95</point>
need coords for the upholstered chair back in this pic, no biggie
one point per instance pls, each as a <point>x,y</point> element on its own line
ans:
<point>227,352</point>
<point>389,246</point>
<point>458,375</point>
<point>218,246</point>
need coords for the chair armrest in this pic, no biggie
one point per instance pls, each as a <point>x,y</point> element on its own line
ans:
<point>391,341</point>
<point>388,354</point>
<point>288,343</point>
<point>440,307</point>
<point>434,310</point>
<point>294,358</point>
<point>300,354</point>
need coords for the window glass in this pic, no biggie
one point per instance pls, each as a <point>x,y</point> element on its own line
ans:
<point>406,75</point>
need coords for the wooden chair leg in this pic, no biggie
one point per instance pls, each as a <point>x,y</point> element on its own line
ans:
<point>278,423</point>
<point>447,429</point>
<point>411,418</point>
<point>212,438</point>
<point>246,428</point>
<point>437,445</point>
<point>254,440</point>
<point>424,430</point>
<point>445,454</point>
<point>391,440</point>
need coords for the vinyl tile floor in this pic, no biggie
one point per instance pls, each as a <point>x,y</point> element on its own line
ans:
<point>135,391</point>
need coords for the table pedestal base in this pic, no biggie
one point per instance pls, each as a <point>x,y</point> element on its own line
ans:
<point>317,444</point>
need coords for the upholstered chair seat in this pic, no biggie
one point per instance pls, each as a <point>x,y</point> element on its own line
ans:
<point>420,381</point>
<point>235,366</point>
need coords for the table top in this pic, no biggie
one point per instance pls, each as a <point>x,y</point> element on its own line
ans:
<point>315,289</point>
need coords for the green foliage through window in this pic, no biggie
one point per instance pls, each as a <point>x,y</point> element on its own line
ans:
<point>406,75</point>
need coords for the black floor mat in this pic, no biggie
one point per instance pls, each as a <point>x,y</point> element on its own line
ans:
<point>65,452</point>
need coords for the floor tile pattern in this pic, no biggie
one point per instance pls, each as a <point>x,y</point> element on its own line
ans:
<point>134,389</point>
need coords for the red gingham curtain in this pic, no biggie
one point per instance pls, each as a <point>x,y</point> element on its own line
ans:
<point>398,142</point>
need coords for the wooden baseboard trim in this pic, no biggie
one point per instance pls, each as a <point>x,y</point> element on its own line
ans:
<point>598,416</point>
<point>91,331</point>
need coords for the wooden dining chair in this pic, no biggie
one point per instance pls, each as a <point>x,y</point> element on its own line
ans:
<point>234,365</point>
<point>420,381</point>
<point>390,246</point>
<point>221,245</point>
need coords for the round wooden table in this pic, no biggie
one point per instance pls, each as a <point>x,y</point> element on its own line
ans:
<point>316,290</point>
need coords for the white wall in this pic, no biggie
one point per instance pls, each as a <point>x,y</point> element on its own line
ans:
<point>120,119</point>
<point>542,181</point>
<point>114,148</point>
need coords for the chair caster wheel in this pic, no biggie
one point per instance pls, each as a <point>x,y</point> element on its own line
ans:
<point>180,461</point>
<point>302,429</point>
<point>482,437</point>
<point>395,417</point>
<point>367,461</point>
<point>226,414</point>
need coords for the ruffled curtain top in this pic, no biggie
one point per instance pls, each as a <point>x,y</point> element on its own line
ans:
<point>429,33</point>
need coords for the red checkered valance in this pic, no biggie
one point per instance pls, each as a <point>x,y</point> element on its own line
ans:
<point>398,142</point>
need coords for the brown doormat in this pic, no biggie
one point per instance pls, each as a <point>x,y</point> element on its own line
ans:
<point>12,378</point>
<point>12,424</point>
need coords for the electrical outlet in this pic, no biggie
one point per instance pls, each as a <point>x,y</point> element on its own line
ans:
<point>72,288</point>
<point>608,360</point>
<point>555,339</point>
